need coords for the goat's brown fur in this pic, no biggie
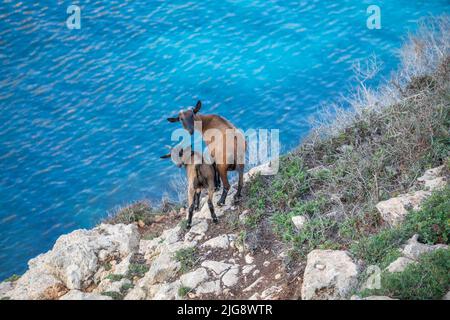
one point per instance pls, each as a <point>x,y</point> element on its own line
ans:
<point>218,144</point>
<point>200,176</point>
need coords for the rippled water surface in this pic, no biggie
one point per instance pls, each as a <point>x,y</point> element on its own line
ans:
<point>82,112</point>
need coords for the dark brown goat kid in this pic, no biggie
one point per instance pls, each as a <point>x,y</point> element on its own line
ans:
<point>200,176</point>
<point>226,144</point>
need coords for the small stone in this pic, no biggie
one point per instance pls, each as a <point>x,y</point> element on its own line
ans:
<point>278,276</point>
<point>266,251</point>
<point>191,295</point>
<point>299,222</point>
<point>220,242</point>
<point>256,272</point>
<point>266,263</point>
<point>249,259</point>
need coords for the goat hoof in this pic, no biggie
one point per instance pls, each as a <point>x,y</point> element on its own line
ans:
<point>188,226</point>
<point>215,220</point>
<point>220,204</point>
<point>196,208</point>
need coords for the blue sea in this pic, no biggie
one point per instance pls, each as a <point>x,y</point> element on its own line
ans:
<point>83,111</point>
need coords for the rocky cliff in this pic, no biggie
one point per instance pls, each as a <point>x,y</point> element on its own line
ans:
<point>114,262</point>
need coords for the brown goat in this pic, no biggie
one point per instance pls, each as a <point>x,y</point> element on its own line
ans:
<point>226,144</point>
<point>200,176</point>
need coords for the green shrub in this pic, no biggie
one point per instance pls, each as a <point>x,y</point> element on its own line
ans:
<point>183,291</point>
<point>356,227</point>
<point>187,258</point>
<point>374,249</point>
<point>125,287</point>
<point>115,277</point>
<point>137,270</point>
<point>113,294</point>
<point>140,210</point>
<point>12,278</point>
<point>253,218</point>
<point>427,279</point>
<point>315,234</point>
<point>432,222</point>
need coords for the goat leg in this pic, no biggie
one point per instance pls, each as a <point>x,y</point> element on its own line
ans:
<point>191,212</point>
<point>197,200</point>
<point>226,185</point>
<point>191,202</point>
<point>216,178</point>
<point>211,210</point>
<point>237,196</point>
<point>221,201</point>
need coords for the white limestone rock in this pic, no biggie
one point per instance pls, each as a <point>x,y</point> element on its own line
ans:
<point>394,210</point>
<point>231,277</point>
<point>399,265</point>
<point>299,222</point>
<point>333,282</point>
<point>414,249</point>
<point>216,266</point>
<point>79,295</point>
<point>193,279</point>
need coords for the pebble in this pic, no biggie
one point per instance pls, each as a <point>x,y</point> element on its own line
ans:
<point>249,259</point>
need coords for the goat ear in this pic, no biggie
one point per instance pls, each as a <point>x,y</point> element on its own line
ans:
<point>197,106</point>
<point>175,119</point>
<point>166,156</point>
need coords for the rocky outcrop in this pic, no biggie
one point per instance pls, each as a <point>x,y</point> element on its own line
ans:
<point>79,295</point>
<point>394,210</point>
<point>74,260</point>
<point>399,265</point>
<point>414,249</point>
<point>112,262</point>
<point>411,253</point>
<point>433,179</point>
<point>265,169</point>
<point>329,275</point>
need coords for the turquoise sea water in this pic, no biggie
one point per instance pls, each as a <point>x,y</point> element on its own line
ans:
<point>82,112</point>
